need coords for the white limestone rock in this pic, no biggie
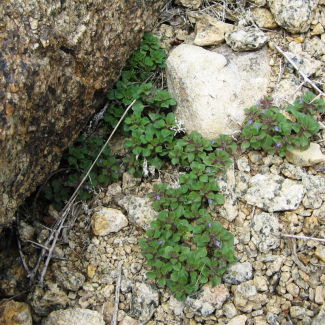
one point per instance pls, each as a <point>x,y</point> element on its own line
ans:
<point>238,273</point>
<point>265,226</point>
<point>309,157</point>
<point>107,220</point>
<point>210,31</point>
<point>139,210</point>
<point>207,299</point>
<point>212,89</point>
<point>264,18</point>
<point>75,316</point>
<point>227,184</point>
<point>272,192</point>
<point>246,39</point>
<point>144,302</point>
<point>295,16</point>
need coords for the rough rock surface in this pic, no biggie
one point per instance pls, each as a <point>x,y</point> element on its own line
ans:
<point>238,273</point>
<point>107,220</point>
<point>294,16</point>
<point>145,300</point>
<point>264,230</point>
<point>76,316</point>
<point>273,193</point>
<point>208,299</point>
<point>15,313</point>
<point>58,61</point>
<point>49,298</point>
<point>139,210</point>
<point>210,31</point>
<point>247,39</point>
<point>212,89</point>
<point>264,18</point>
<point>313,155</point>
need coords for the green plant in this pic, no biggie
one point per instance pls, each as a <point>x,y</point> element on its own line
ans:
<point>184,255</point>
<point>268,129</point>
<point>184,248</point>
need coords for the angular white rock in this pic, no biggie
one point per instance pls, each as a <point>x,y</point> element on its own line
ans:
<point>213,89</point>
<point>208,299</point>
<point>210,31</point>
<point>265,227</point>
<point>107,220</point>
<point>309,157</point>
<point>75,316</point>
<point>294,16</point>
<point>272,192</point>
<point>247,39</point>
<point>139,210</point>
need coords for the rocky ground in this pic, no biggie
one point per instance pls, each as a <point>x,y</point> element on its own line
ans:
<point>278,279</point>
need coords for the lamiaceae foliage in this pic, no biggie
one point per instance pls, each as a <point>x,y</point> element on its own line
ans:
<point>268,129</point>
<point>184,247</point>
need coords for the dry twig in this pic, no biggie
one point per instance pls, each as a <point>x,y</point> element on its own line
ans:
<point>117,292</point>
<point>306,79</point>
<point>300,237</point>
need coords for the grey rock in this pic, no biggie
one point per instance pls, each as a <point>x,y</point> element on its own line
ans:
<point>292,171</point>
<point>75,316</point>
<point>264,18</point>
<point>319,318</point>
<point>264,227</point>
<point>312,156</point>
<point>294,16</point>
<point>238,273</point>
<point>26,231</point>
<point>59,60</point>
<point>15,313</point>
<point>238,320</point>
<point>107,220</point>
<point>315,47</point>
<point>304,62</point>
<point>139,210</point>
<point>227,184</point>
<point>207,299</point>
<point>272,192</point>
<point>247,39</point>
<point>229,310</point>
<point>176,306</point>
<point>210,31</point>
<point>212,88</point>
<point>272,318</point>
<point>69,279</point>
<point>320,214</point>
<point>286,90</point>
<point>297,312</point>
<point>246,297</point>
<point>256,157</point>
<point>145,300</point>
<point>48,298</point>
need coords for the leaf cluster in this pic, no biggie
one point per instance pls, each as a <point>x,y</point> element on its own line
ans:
<point>268,129</point>
<point>184,253</point>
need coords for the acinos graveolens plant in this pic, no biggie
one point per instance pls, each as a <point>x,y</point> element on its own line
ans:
<point>185,247</point>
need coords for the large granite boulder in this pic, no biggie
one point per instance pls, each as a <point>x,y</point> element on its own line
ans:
<point>58,60</point>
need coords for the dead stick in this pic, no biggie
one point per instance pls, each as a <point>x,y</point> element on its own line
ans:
<point>301,237</point>
<point>117,292</point>
<point>299,71</point>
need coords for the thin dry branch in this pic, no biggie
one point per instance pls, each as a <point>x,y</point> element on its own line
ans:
<point>298,70</point>
<point>300,237</point>
<point>117,292</point>
<point>69,204</point>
